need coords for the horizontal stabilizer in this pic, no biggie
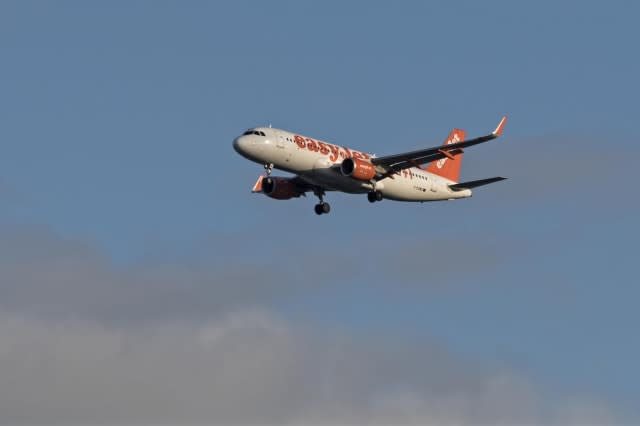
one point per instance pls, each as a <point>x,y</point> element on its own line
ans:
<point>475,183</point>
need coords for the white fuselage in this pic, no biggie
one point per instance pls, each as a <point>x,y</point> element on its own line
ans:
<point>318,163</point>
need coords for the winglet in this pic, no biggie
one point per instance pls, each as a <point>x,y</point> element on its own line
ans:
<point>498,131</point>
<point>258,185</point>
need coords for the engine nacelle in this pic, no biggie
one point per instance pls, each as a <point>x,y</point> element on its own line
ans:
<point>280,188</point>
<point>358,169</point>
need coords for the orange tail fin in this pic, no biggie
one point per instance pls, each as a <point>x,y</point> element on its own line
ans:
<point>449,167</point>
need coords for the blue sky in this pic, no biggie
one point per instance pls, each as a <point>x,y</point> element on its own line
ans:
<point>116,130</point>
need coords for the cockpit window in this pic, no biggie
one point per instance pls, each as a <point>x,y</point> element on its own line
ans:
<point>254,132</point>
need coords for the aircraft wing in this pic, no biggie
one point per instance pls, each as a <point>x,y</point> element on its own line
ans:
<point>302,184</point>
<point>398,162</point>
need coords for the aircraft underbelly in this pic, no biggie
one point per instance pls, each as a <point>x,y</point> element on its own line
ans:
<point>333,180</point>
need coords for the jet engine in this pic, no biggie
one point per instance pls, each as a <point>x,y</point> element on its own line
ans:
<point>358,169</point>
<point>280,188</point>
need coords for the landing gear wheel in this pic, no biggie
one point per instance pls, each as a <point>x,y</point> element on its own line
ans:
<point>268,168</point>
<point>374,196</point>
<point>322,208</point>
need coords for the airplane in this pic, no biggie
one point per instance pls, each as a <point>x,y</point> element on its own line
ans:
<point>321,166</point>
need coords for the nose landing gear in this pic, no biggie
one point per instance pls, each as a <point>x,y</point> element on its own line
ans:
<point>268,168</point>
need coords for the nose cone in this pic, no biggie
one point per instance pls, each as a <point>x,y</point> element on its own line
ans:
<point>250,147</point>
<point>240,144</point>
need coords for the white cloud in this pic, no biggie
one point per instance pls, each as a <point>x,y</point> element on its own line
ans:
<point>251,367</point>
<point>85,342</point>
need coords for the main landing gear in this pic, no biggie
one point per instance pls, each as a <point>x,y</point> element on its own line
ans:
<point>374,196</point>
<point>321,207</point>
<point>268,168</point>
